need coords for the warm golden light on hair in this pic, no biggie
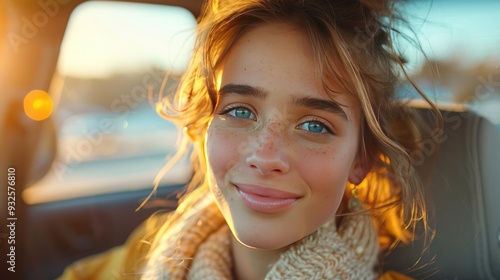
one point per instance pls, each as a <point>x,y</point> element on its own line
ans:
<point>219,80</point>
<point>215,6</point>
<point>38,105</point>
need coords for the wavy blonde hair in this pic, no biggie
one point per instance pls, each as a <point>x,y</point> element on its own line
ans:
<point>353,49</point>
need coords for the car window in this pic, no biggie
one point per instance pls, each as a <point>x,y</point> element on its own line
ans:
<point>461,40</point>
<point>113,61</point>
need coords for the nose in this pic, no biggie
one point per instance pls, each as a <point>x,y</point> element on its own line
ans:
<point>268,155</point>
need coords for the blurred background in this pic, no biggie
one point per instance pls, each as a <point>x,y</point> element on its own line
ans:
<point>462,45</point>
<point>114,58</point>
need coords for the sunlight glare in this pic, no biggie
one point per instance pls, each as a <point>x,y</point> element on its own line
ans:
<point>106,37</point>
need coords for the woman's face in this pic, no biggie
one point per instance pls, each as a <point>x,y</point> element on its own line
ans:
<point>279,149</point>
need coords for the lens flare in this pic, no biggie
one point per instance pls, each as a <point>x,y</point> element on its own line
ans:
<point>38,105</point>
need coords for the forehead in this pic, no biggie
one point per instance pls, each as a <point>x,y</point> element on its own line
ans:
<point>273,52</point>
<point>277,57</point>
<point>267,38</point>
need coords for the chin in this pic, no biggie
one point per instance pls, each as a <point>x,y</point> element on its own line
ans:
<point>263,242</point>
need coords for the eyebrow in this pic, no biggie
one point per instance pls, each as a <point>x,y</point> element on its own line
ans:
<point>331,106</point>
<point>243,90</point>
<point>306,101</point>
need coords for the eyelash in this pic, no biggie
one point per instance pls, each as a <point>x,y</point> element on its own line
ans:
<point>326,126</point>
<point>227,111</point>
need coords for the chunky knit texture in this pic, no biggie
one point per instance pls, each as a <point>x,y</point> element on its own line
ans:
<point>203,252</point>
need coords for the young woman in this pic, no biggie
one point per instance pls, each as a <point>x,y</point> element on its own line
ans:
<point>301,149</point>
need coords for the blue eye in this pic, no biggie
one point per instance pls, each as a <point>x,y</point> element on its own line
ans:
<point>314,127</point>
<point>241,112</point>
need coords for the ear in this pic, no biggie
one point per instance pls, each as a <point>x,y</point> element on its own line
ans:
<point>359,170</point>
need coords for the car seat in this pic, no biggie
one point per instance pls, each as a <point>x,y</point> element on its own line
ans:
<point>462,177</point>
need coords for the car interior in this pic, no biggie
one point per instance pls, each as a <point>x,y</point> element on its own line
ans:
<point>460,170</point>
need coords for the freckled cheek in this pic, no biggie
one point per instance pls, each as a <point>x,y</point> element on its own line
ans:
<point>326,177</point>
<point>222,151</point>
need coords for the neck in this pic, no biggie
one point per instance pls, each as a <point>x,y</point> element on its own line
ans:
<point>250,263</point>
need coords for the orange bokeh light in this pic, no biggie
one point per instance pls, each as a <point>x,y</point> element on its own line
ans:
<point>38,105</point>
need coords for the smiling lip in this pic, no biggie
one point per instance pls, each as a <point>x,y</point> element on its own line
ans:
<point>265,200</point>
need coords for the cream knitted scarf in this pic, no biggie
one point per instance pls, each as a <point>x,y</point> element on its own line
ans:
<point>202,252</point>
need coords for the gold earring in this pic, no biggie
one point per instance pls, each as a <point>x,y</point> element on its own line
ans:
<point>354,204</point>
